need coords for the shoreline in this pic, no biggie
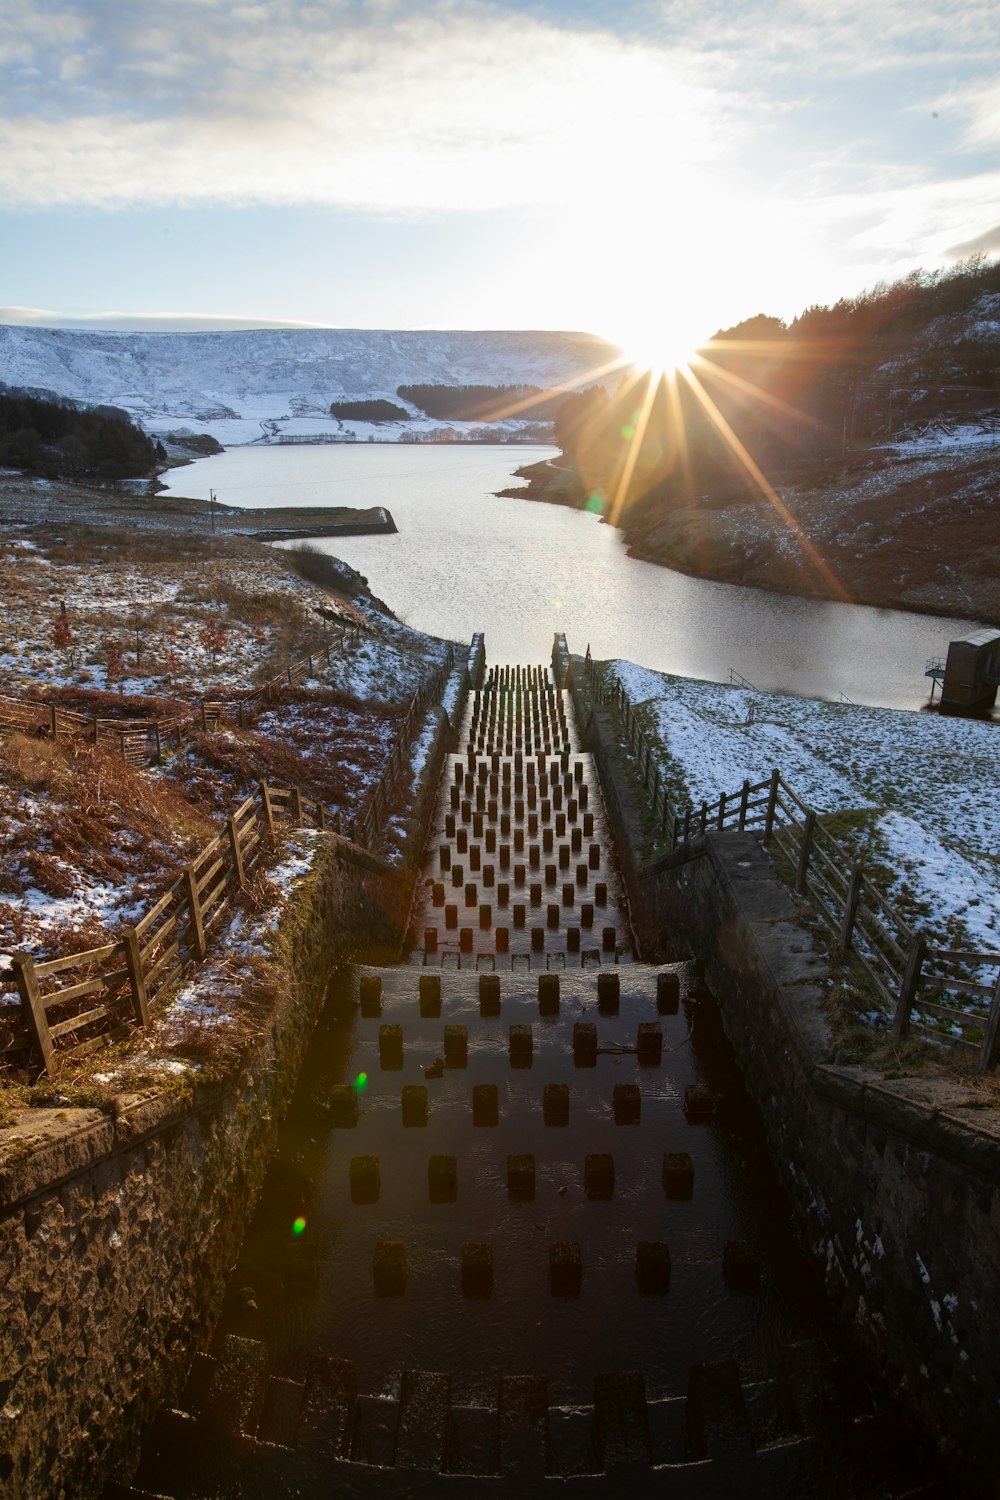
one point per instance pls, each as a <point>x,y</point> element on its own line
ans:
<point>551,484</point>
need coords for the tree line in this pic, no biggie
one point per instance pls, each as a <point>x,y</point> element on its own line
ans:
<point>58,440</point>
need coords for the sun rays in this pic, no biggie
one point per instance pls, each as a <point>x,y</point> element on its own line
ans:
<point>681,385</point>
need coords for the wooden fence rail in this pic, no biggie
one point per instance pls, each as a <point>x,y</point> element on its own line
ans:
<point>907,972</point>
<point>373,814</point>
<point>140,741</point>
<point>76,1003</point>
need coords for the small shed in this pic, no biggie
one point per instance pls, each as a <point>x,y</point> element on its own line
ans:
<point>972,673</point>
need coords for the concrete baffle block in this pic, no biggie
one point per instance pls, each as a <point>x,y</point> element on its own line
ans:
<point>538,940</point>
<point>456,1047</point>
<point>389,1268</point>
<point>365,1179</point>
<point>503,939</point>
<point>465,940</point>
<point>535,893</point>
<point>485,915</point>
<point>609,939</point>
<point>548,994</point>
<point>489,994</point>
<point>430,940</point>
<point>594,856</point>
<point>520,1045</point>
<point>586,914</point>
<point>451,917</point>
<point>344,1105</point>
<point>477,1269</point>
<point>568,894</point>
<point>518,914</point>
<point>521,1178</point>
<point>485,1105</point>
<point>565,1269</point>
<point>564,853</point>
<point>489,876</point>
<point>652,1267</point>
<point>572,939</point>
<point>442,1179</point>
<point>471,893</point>
<point>627,1103</point>
<point>699,1104</point>
<point>551,874</point>
<point>552,915</point>
<point>503,893</point>
<point>555,1104</point>
<point>599,1176</point>
<point>608,994</point>
<point>600,893</point>
<point>430,995</point>
<point>390,1048</point>
<point>585,1044</point>
<point>740,1266</point>
<point>370,994</point>
<point>668,994</point>
<point>414,1103</point>
<point>678,1174</point>
<point>437,894</point>
<point>649,1043</point>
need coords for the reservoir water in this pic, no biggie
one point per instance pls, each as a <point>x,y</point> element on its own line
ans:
<point>465,560</point>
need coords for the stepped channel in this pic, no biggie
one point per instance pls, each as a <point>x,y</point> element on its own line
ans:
<point>522,1232</point>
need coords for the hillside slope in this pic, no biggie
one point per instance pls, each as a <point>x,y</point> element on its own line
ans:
<point>236,386</point>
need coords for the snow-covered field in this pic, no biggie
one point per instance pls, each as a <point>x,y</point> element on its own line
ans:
<point>926,788</point>
<point>256,385</point>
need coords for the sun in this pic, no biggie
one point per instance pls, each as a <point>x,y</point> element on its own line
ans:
<point>661,343</point>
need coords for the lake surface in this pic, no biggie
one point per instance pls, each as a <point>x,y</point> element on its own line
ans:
<point>465,560</point>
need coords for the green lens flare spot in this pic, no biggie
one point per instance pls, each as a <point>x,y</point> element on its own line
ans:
<point>595,504</point>
<point>298,1225</point>
<point>361,1082</point>
<point>628,432</point>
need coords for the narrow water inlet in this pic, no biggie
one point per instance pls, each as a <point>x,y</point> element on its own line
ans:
<point>522,1227</point>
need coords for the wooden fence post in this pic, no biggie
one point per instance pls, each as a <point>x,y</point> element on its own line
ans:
<point>704,817</point>
<point>33,1007</point>
<point>808,830</point>
<point>204,721</point>
<point>851,909</point>
<point>687,824</point>
<point>772,805</point>
<point>267,812</point>
<point>136,978</point>
<point>908,988</point>
<point>744,799</point>
<point>320,816</point>
<point>989,1054</point>
<point>197,925</point>
<point>156,737</point>
<point>236,851</point>
<point>54,721</point>
<point>722,812</point>
<point>297,806</point>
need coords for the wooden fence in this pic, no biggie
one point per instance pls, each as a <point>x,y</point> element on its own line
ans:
<point>140,741</point>
<point>74,1004</point>
<point>646,759</point>
<point>907,972</point>
<point>371,818</point>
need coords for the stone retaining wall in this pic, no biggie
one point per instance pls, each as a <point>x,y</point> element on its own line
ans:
<point>895,1181</point>
<point>117,1231</point>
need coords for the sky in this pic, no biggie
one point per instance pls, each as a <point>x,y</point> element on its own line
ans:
<point>649,170</point>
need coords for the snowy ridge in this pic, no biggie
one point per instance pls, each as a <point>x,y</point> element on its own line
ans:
<point>229,384</point>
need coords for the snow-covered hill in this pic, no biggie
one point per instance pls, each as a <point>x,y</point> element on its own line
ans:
<point>236,386</point>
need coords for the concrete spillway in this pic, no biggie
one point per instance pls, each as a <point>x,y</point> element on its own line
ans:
<point>521,1233</point>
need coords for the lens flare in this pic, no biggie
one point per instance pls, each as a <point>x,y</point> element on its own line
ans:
<point>298,1225</point>
<point>361,1082</point>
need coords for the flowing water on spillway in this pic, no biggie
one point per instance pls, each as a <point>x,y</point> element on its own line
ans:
<point>466,560</point>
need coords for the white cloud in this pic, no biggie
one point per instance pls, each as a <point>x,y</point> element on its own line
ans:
<point>464,106</point>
